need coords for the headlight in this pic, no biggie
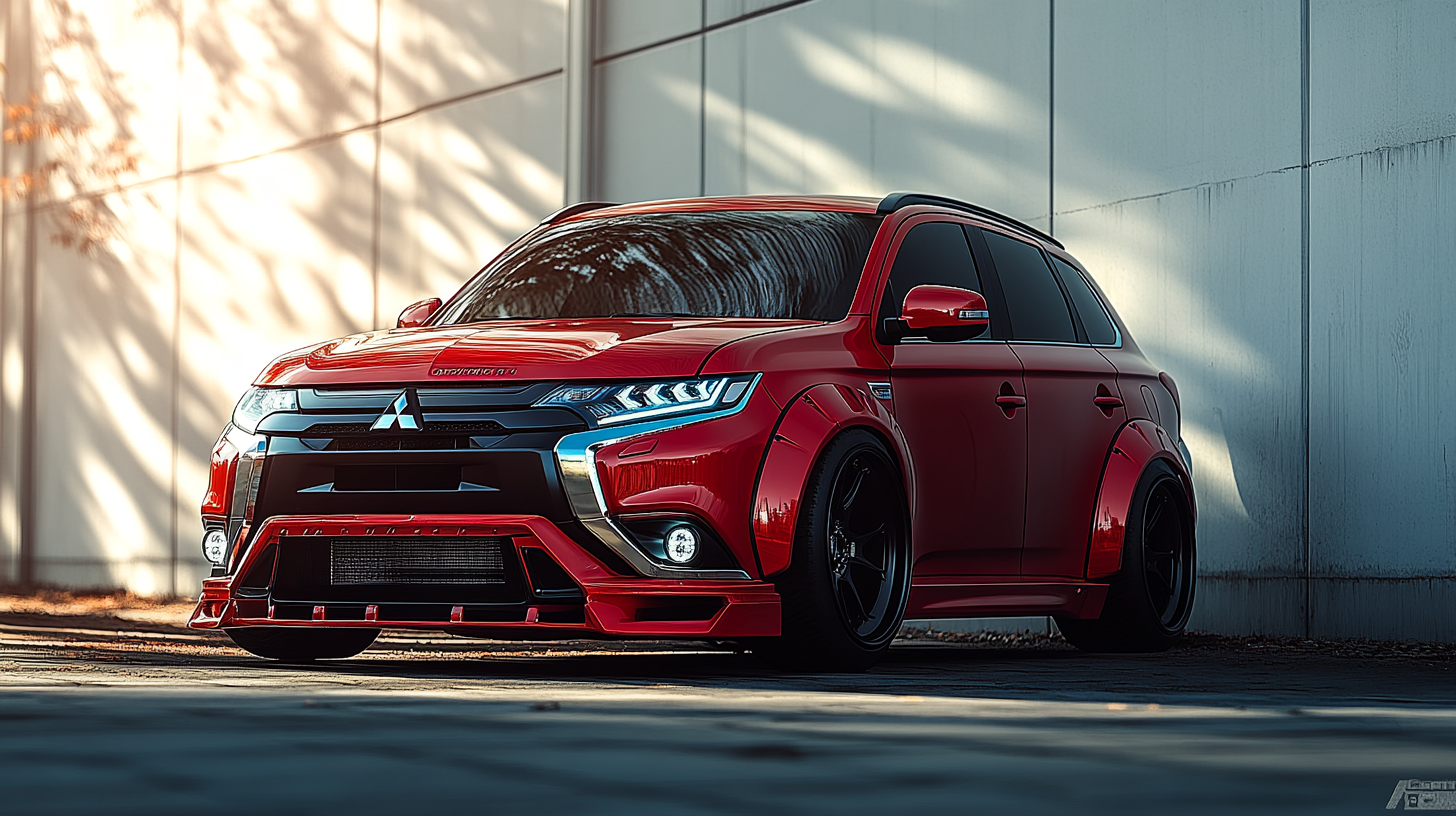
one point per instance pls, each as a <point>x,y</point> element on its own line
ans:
<point>612,404</point>
<point>259,403</point>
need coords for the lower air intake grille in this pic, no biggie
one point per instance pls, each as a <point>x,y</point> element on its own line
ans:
<point>362,561</point>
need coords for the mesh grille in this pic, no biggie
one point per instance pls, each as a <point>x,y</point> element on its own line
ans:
<point>354,561</point>
<point>330,428</point>
<point>484,426</point>
<point>389,443</point>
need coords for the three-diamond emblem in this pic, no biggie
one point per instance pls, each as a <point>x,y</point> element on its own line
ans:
<point>403,412</point>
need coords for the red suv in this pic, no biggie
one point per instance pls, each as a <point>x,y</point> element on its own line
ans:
<point>787,422</point>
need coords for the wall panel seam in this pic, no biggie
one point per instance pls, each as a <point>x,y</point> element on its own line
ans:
<point>700,31</point>
<point>1304,295</point>
<point>175,530</point>
<point>377,206</point>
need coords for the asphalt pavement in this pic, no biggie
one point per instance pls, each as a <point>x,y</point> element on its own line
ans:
<point>167,721</point>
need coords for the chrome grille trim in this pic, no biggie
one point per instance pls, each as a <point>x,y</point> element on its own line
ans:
<point>252,450</point>
<point>576,460</point>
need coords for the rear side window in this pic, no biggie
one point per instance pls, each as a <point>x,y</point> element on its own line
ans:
<point>1038,309</point>
<point>1100,330</point>
<point>936,253</point>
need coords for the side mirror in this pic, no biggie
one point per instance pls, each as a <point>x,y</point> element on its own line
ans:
<point>416,314</point>
<point>941,314</point>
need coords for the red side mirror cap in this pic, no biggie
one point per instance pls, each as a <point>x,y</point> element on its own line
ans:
<point>944,313</point>
<point>416,314</point>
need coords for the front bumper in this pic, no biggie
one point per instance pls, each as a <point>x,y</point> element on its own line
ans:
<point>608,605</point>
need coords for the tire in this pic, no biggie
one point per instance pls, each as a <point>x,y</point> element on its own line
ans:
<point>845,590</point>
<point>298,645</point>
<point>1151,597</point>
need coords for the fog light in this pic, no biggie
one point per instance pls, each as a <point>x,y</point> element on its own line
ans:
<point>214,547</point>
<point>681,544</point>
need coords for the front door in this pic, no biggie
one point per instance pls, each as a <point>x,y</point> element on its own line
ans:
<point>968,452</point>
<point>1073,410</point>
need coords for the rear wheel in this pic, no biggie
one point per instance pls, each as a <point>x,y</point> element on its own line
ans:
<point>1151,596</point>
<point>845,590</point>
<point>295,645</point>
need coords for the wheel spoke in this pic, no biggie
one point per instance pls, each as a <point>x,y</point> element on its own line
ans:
<point>856,561</point>
<point>862,537</point>
<point>1157,512</point>
<point>865,565</point>
<point>860,614</point>
<point>853,493</point>
<point>1165,577</point>
<point>1161,551</point>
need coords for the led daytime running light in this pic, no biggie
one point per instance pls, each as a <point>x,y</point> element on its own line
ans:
<point>613,404</point>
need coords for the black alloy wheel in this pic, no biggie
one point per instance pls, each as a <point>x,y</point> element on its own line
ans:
<point>1151,597</point>
<point>1167,554</point>
<point>846,588</point>
<point>864,550</point>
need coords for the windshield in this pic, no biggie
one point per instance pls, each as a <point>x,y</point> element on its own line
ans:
<point>797,265</point>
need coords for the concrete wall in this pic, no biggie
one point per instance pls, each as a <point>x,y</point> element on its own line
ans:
<point>305,170</point>
<point>1262,187</point>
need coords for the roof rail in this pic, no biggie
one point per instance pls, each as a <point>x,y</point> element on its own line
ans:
<point>897,201</point>
<point>575,209</point>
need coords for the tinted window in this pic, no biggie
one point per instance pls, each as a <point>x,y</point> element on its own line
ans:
<point>935,253</point>
<point>1038,310</point>
<point>1089,308</point>
<point>771,264</point>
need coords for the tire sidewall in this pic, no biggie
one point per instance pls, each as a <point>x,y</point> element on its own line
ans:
<point>811,551</point>
<point>1133,555</point>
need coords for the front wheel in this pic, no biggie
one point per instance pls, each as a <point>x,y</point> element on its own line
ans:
<point>299,645</point>
<point>845,590</point>
<point>1151,596</point>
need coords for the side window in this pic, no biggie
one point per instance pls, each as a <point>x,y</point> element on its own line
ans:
<point>1033,298</point>
<point>934,253</point>
<point>1100,330</point>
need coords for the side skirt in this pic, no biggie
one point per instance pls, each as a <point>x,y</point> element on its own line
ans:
<point>952,597</point>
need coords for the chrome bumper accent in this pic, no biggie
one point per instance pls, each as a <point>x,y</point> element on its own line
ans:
<point>252,450</point>
<point>576,460</point>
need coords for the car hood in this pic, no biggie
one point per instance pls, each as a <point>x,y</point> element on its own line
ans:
<point>598,348</point>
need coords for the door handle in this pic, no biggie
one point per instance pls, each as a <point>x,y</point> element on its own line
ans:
<point>1011,401</point>
<point>1107,402</point>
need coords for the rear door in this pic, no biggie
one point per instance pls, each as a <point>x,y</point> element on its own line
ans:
<point>1073,407</point>
<point>969,455</point>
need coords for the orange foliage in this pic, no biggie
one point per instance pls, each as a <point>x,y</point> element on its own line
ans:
<point>83,222</point>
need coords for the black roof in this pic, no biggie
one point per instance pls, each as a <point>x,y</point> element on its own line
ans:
<point>896,201</point>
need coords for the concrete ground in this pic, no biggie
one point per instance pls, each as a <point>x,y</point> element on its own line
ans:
<point>97,715</point>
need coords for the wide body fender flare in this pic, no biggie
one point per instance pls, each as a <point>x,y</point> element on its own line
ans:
<point>805,428</point>
<point>1138,444</point>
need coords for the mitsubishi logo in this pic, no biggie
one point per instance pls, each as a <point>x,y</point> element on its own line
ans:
<point>404,411</point>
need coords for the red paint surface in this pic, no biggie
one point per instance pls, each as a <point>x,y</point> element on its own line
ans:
<point>222,469</point>
<point>417,313</point>
<point>811,421</point>
<point>749,608</point>
<point>704,469</point>
<point>1017,491</point>
<point>1068,436</point>
<point>1138,444</point>
<point>931,307</point>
